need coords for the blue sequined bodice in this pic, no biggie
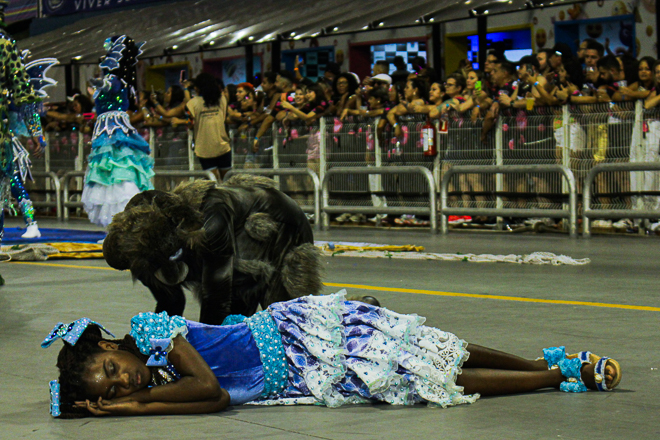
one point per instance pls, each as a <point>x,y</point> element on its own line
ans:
<point>112,96</point>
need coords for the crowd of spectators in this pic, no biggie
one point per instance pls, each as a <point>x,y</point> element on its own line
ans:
<point>552,77</point>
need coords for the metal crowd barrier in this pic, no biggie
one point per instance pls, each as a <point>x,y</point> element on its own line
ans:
<point>57,204</point>
<point>66,203</point>
<point>570,213</point>
<point>577,137</point>
<point>338,209</point>
<point>316,210</point>
<point>588,212</point>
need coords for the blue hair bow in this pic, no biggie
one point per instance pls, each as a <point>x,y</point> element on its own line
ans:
<point>70,332</point>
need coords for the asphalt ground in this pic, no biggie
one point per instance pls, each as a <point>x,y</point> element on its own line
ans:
<point>609,307</point>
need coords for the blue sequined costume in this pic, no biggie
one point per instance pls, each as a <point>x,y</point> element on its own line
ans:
<point>322,350</point>
<point>18,89</point>
<point>119,165</point>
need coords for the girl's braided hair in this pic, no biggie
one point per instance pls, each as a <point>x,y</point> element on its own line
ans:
<point>73,361</point>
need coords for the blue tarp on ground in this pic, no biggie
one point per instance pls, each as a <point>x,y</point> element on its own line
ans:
<point>13,236</point>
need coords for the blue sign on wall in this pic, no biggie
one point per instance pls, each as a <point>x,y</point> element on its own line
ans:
<point>66,7</point>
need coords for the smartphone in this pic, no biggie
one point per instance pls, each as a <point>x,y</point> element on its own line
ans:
<point>183,76</point>
<point>300,59</point>
<point>477,86</point>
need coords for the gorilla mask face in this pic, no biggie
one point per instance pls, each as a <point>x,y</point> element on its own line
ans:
<point>174,271</point>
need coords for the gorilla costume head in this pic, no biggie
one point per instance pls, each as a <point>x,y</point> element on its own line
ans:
<point>236,246</point>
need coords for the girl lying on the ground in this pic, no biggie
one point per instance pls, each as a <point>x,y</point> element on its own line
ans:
<point>311,350</point>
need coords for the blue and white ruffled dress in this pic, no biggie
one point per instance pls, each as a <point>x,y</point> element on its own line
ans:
<point>324,350</point>
<point>119,165</point>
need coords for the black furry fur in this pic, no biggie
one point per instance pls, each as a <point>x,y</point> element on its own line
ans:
<point>242,244</point>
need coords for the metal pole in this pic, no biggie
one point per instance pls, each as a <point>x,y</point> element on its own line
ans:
<point>482,31</point>
<point>499,178</point>
<point>323,167</point>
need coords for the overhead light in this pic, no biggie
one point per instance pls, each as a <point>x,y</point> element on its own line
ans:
<point>250,38</point>
<point>315,34</point>
<point>77,58</point>
<point>431,19</point>
<point>365,27</point>
<point>417,21</point>
<point>467,2</point>
<point>486,11</point>
<point>175,47</point>
<point>335,29</point>
<point>211,43</point>
<point>382,23</point>
<point>297,37</point>
<point>293,34</point>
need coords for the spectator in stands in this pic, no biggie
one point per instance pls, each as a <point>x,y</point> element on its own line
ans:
<point>249,108</point>
<point>477,99</point>
<point>381,67</point>
<point>344,96</point>
<point>418,64</point>
<point>415,95</point>
<point>531,85</point>
<point>245,100</point>
<point>619,132</point>
<point>208,111</point>
<point>651,142</point>
<point>453,99</point>
<point>641,88</point>
<point>332,71</point>
<point>570,80</point>
<point>545,68</point>
<point>284,85</point>
<point>503,82</point>
<point>494,56</point>
<point>75,115</point>
<point>174,104</point>
<point>401,72</point>
<point>380,81</point>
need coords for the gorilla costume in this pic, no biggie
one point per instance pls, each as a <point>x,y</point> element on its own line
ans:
<point>236,246</point>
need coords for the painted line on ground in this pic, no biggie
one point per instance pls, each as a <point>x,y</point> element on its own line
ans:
<point>498,297</point>
<point>419,291</point>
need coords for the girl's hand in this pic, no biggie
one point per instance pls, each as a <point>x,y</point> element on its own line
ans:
<point>287,105</point>
<point>344,113</point>
<point>119,407</point>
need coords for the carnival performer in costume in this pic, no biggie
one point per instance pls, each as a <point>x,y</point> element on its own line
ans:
<point>236,246</point>
<point>37,71</point>
<point>15,82</point>
<point>119,165</point>
<point>318,350</point>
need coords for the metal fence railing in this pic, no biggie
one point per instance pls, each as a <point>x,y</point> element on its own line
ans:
<point>576,137</point>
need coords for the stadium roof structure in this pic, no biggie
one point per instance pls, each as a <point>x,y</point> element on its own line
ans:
<point>188,26</point>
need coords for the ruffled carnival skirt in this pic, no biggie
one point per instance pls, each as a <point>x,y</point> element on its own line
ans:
<point>344,352</point>
<point>119,168</point>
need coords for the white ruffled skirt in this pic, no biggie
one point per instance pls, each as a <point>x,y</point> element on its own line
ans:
<point>342,352</point>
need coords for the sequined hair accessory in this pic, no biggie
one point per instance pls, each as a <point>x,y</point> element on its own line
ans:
<point>70,332</point>
<point>55,398</point>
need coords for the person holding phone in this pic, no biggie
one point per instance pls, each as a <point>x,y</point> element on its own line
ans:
<point>285,92</point>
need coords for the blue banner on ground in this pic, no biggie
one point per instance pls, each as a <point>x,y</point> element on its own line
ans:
<point>66,7</point>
